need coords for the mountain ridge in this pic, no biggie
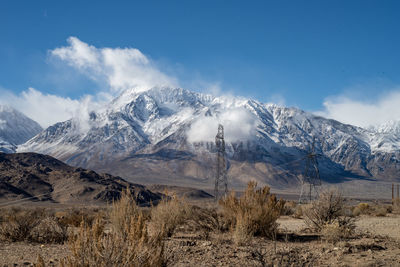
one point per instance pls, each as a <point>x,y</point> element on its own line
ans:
<point>149,134</point>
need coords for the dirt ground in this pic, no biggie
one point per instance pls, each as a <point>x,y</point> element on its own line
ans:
<point>377,244</point>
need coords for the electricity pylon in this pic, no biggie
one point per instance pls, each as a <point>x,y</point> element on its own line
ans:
<point>221,180</point>
<point>311,178</point>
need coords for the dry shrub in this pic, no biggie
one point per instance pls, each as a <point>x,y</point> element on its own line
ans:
<point>18,223</point>
<point>35,225</point>
<point>326,215</point>
<point>340,229</point>
<point>126,244</point>
<point>39,262</point>
<point>205,221</point>
<point>253,214</point>
<point>74,217</point>
<point>124,211</point>
<point>168,215</point>
<point>361,208</point>
<point>379,211</point>
<point>325,210</point>
<point>375,209</point>
<point>289,208</point>
<point>49,230</point>
<point>298,212</point>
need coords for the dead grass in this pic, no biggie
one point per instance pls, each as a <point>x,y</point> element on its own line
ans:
<point>253,214</point>
<point>127,243</point>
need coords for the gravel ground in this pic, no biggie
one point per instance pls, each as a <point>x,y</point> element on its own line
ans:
<point>384,226</point>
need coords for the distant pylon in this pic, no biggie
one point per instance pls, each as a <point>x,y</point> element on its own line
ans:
<point>221,181</point>
<point>311,178</point>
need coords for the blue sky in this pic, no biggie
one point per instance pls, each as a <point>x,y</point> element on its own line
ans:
<point>302,53</point>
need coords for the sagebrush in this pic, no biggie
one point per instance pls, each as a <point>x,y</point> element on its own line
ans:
<point>205,221</point>
<point>342,228</point>
<point>361,208</point>
<point>74,217</point>
<point>325,210</point>
<point>126,243</point>
<point>170,213</point>
<point>290,208</point>
<point>327,215</point>
<point>33,225</point>
<point>253,214</point>
<point>49,230</point>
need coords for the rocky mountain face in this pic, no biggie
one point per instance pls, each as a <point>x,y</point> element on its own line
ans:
<point>44,178</point>
<point>15,129</point>
<point>166,135</point>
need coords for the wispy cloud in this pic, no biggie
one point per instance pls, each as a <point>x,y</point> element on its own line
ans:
<point>363,113</point>
<point>239,124</point>
<point>120,68</point>
<point>46,109</point>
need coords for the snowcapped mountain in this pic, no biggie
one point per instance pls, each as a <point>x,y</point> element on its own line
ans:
<point>166,135</point>
<point>15,129</point>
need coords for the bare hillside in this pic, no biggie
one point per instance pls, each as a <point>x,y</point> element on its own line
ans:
<point>44,178</point>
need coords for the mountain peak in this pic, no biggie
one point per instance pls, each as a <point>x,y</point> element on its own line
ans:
<point>161,95</point>
<point>15,128</point>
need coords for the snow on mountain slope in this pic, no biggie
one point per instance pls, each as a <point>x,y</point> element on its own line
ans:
<point>15,129</point>
<point>169,133</point>
<point>385,138</point>
<point>7,147</point>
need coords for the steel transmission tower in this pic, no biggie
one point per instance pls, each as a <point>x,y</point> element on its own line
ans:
<point>221,181</point>
<point>311,178</point>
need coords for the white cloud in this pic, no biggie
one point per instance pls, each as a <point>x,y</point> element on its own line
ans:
<point>362,113</point>
<point>239,125</point>
<point>277,99</point>
<point>120,68</point>
<point>47,109</point>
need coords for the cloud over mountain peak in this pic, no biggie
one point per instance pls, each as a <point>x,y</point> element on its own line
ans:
<point>120,68</point>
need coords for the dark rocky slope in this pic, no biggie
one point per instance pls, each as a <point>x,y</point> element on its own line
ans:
<point>44,178</point>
